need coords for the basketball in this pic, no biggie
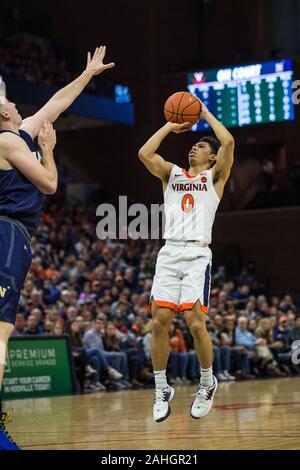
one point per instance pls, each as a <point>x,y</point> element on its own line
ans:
<point>182,107</point>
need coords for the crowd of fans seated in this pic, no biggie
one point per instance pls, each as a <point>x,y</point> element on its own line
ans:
<point>32,58</point>
<point>36,59</point>
<point>97,292</point>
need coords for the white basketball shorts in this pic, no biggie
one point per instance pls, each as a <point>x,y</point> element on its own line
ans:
<point>182,276</point>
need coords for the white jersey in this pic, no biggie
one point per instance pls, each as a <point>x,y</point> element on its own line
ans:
<point>190,204</point>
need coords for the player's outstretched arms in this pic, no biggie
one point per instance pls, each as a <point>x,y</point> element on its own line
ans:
<point>14,150</point>
<point>65,97</point>
<point>148,156</point>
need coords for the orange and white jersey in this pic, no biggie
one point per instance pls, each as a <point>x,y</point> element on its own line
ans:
<point>190,204</point>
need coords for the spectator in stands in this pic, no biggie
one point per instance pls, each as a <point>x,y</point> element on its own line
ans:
<point>294,344</point>
<point>290,318</point>
<point>32,327</point>
<point>57,328</point>
<point>221,354</point>
<point>263,309</point>
<point>265,331</point>
<point>51,292</point>
<point>275,301</point>
<point>252,325</point>
<point>240,364</point>
<point>93,339</point>
<point>245,279</point>
<point>83,365</point>
<point>218,324</point>
<point>287,304</point>
<point>294,333</point>
<point>20,325</point>
<point>131,366</point>
<point>245,338</point>
<point>71,314</point>
<point>26,292</point>
<point>284,354</point>
<point>241,295</point>
<point>48,327</point>
<point>281,331</point>
<point>250,311</point>
<point>119,322</point>
<point>178,359</point>
<point>51,314</point>
<point>37,313</point>
<point>268,349</point>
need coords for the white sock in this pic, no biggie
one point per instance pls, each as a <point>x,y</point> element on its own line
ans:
<point>206,378</point>
<point>160,379</point>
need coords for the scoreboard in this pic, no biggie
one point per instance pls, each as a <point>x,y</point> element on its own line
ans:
<point>246,95</point>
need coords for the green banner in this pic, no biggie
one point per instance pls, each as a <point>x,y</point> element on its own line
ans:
<point>38,366</point>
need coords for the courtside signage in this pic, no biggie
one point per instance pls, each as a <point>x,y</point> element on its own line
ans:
<point>38,367</point>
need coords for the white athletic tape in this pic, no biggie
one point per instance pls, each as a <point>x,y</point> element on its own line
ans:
<point>2,353</point>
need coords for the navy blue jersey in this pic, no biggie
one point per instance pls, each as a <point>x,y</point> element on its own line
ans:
<point>19,198</point>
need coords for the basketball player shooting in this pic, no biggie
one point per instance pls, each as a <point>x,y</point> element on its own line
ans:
<point>183,269</point>
<point>26,177</point>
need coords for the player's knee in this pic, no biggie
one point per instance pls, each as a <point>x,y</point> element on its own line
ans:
<point>6,330</point>
<point>160,326</point>
<point>198,328</point>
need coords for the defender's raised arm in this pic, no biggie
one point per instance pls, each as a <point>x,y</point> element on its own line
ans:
<point>65,97</point>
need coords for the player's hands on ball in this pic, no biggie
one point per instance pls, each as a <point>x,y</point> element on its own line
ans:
<point>178,128</point>
<point>95,64</point>
<point>47,137</point>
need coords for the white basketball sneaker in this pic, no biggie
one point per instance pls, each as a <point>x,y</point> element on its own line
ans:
<point>161,408</point>
<point>204,399</point>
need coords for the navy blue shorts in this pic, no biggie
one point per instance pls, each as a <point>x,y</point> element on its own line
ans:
<point>15,261</point>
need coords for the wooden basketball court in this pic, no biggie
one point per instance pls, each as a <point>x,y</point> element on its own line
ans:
<point>246,415</point>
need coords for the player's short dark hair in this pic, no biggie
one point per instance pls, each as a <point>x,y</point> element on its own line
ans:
<point>214,143</point>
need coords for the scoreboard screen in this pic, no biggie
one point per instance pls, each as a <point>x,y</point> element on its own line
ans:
<point>246,95</point>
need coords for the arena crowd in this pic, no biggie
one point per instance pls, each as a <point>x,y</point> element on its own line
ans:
<point>97,292</point>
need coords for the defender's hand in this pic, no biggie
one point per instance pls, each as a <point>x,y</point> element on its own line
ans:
<point>178,128</point>
<point>95,64</point>
<point>47,137</point>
